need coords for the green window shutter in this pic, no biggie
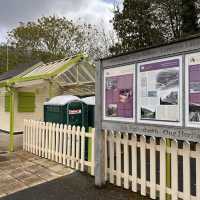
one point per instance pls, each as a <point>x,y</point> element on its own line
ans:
<point>7,102</point>
<point>26,102</point>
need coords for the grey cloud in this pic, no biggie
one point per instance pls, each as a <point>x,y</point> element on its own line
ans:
<point>14,11</point>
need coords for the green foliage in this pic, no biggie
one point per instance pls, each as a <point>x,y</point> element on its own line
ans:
<point>143,23</point>
<point>189,17</point>
<point>52,38</point>
<point>137,25</point>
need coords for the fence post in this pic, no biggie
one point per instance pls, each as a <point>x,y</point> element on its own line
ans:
<point>99,134</point>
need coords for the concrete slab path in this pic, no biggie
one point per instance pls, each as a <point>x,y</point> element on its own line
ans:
<point>24,176</point>
<point>21,170</point>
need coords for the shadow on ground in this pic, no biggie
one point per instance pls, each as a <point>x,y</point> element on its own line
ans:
<point>76,186</point>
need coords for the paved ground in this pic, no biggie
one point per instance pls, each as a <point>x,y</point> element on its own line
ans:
<point>24,176</point>
<point>76,186</point>
<point>4,142</point>
<point>22,170</point>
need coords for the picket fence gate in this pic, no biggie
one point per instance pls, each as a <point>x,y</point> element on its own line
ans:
<point>140,163</point>
<point>60,143</point>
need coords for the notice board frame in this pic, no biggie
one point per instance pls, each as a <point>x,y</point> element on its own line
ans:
<point>173,49</point>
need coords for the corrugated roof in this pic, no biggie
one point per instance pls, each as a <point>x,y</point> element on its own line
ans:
<point>14,72</point>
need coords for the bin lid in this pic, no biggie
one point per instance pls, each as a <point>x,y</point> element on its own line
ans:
<point>89,100</point>
<point>61,100</point>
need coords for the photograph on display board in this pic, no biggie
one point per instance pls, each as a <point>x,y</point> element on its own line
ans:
<point>118,91</point>
<point>159,84</point>
<point>194,87</point>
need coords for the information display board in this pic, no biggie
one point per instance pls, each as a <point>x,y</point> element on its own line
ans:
<point>119,93</point>
<point>160,91</point>
<point>192,77</point>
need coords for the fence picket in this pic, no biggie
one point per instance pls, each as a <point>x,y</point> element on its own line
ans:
<point>68,145</point>
<point>174,167</point>
<point>73,146</point>
<point>126,162</point>
<point>162,169</point>
<point>24,135</point>
<point>111,157</point>
<point>31,137</point>
<point>57,142</point>
<point>77,147</point>
<point>36,137</point>
<point>153,168</point>
<point>106,154</point>
<point>93,153</point>
<point>186,170</point>
<point>143,164</point>
<point>134,162</point>
<point>82,148</point>
<point>43,139</point>
<point>60,143</point>
<point>64,144</point>
<point>40,139</point>
<point>53,145</point>
<point>118,159</point>
<point>49,140</point>
<point>46,140</point>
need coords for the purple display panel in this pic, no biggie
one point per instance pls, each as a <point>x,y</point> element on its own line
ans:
<point>160,65</point>
<point>194,93</point>
<point>119,96</point>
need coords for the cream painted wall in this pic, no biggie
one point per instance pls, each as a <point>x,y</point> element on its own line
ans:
<point>42,94</point>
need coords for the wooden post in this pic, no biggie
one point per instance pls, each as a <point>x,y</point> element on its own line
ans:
<point>11,145</point>
<point>99,135</point>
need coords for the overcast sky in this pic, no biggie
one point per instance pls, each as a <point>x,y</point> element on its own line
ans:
<point>14,11</point>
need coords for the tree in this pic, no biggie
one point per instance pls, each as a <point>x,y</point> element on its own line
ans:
<point>189,17</point>
<point>181,16</point>
<point>137,25</point>
<point>51,38</point>
<point>150,22</point>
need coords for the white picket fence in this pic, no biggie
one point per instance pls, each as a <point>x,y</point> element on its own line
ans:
<point>140,163</point>
<point>62,144</point>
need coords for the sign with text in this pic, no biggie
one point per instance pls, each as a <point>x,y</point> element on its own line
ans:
<point>160,91</point>
<point>192,76</point>
<point>119,90</point>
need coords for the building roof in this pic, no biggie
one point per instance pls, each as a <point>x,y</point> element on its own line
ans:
<point>76,75</point>
<point>14,72</point>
